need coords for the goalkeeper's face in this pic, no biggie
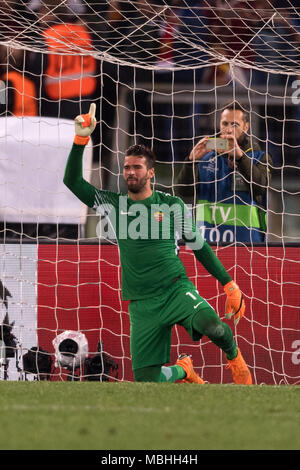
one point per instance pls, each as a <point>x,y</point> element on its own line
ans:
<point>136,173</point>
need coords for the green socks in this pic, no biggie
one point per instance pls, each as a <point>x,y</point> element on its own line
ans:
<point>159,374</point>
<point>172,373</point>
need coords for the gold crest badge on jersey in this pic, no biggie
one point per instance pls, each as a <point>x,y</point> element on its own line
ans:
<point>159,215</point>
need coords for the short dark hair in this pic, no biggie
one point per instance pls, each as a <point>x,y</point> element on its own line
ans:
<point>139,150</point>
<point>237,107</point>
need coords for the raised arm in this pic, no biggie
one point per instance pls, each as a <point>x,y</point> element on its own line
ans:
<point>73,178</point>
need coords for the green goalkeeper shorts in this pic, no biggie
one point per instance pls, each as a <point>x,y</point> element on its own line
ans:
<point>151,322</point>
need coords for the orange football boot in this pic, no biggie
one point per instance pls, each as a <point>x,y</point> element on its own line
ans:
<point>186,363</point>
<point>240,372</point>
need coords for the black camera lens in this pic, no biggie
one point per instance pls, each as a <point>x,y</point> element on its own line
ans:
<point>68,347</point>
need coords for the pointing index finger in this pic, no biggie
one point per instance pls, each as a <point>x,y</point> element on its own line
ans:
<point>92,110</point>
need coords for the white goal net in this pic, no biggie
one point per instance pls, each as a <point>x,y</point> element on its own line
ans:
<point>165,74</point>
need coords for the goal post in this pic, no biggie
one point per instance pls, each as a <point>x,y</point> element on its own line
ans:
<point>161,73</point>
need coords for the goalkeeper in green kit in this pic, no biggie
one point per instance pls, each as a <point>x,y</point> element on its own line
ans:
<point>148,225</point>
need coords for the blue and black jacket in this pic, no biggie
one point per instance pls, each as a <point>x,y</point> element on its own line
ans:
<point>231,203</point>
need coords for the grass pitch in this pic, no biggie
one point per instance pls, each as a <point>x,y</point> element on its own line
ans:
<point>134,416</point>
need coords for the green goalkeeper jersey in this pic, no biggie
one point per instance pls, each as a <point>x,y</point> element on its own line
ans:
<point>147,232</point>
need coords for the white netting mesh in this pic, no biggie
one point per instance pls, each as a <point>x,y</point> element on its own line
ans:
<point>141,33</point>
<point>161,73</point>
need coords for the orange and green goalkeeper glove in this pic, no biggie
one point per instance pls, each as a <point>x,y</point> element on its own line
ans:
<point>235,304</point>
<point>84,126</point>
